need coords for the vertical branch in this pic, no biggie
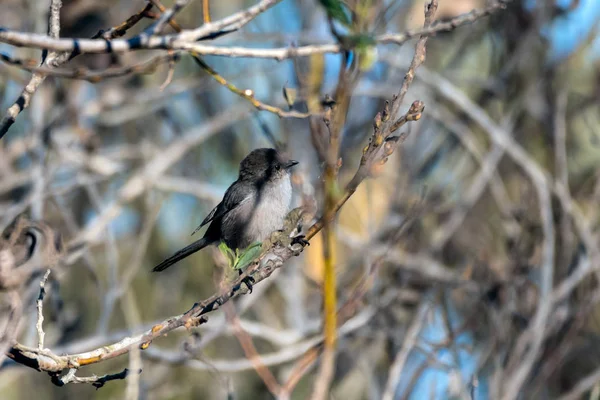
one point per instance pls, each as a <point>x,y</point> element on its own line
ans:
<point>562,170</point>
<point>206,11</point>
<point>335,119</point>
<point>410,341</point>
<point>40,310</point>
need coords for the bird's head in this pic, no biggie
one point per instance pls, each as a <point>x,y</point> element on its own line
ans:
<point>265,165</point>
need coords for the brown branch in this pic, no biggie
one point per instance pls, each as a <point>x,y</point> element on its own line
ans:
<point>250,352</point>
<point>246,94</point>
<point>146,67</point>
<point>121,29</point>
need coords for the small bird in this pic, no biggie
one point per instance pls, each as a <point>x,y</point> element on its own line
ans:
<point>253,207</point>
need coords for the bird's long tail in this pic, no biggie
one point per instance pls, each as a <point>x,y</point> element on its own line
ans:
<point>181,254</point>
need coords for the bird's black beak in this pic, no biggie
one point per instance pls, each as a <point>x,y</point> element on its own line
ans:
<point>290,164</point>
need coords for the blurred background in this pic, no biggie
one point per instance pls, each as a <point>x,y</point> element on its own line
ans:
<point>450,235</point>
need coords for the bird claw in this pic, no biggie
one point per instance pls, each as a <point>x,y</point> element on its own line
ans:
<point>249,281</point>
<point>301,240</point>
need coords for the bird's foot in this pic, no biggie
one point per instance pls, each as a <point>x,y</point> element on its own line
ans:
<point>301,240</point>
<point>298,244</point>
<point>248,281</point>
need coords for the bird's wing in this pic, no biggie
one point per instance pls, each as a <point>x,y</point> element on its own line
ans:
<point>232,199</point>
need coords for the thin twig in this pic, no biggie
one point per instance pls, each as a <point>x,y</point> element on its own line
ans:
<point>56,59</point>
<point>146,67</point>
<point>167,16</point>
<point>40,312</point>
<point>531,340</point>
<point>187,39</point>
<point>36,80</point>
<point>410,340</point>
<point>246,94</point>
<point>250,352</point>
<point>95,381</point>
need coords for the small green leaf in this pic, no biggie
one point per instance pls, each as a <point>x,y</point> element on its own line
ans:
<point>248,255</point>
<point>228,253</point>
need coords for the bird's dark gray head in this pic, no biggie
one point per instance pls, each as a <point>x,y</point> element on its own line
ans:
<point>265,165</point>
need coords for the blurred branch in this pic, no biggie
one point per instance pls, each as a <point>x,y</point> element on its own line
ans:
<point>410,340</point>
<point>37,79</point>
<point>166,17</point>
<point>9,324</point>
<point>158,165</point>
<point>121,29</point>
<point>186,40</point>
<point>246,94</point>
<point>146,67</point>
<point>529,344</point>
<point>489,164</point>
<point>250,351</point>
<point>95,381</point>
<point>40,310</point>
<point>383,143</point>
<point>206,11</point>
<point>286,354</point>
<point>55,60</point>
<point>275,258</point>
<point>180,41</point>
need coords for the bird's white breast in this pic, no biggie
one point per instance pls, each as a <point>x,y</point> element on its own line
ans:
<point>270,209</point>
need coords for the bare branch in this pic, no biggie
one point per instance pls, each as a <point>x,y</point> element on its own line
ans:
<point>410,340</point>
<point>40,312</point>
<point>95,381</point>
<point>187,38</point>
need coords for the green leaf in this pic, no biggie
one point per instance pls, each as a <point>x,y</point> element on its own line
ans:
<point>335,10</point>
<point>228,253</point>
<point>248,255</point>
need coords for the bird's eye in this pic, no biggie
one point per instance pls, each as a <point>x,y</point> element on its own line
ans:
<point>277,167</point>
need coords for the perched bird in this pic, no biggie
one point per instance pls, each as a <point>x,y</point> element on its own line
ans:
<point>253,207</point>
